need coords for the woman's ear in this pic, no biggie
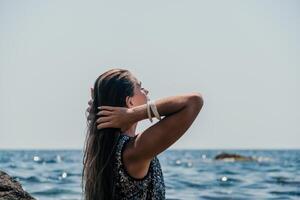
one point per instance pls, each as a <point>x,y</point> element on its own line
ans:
<point>129,102</point>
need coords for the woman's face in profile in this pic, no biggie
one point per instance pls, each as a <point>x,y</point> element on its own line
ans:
<point>140,95</point>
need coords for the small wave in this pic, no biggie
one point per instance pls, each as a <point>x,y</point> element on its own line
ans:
<point>56,159</point>
<point>280,180</point>
<point>190,184</point>
<point>255,186</point>
<point>226,181</point>
<point>50,161</point>
<point>221,197</point>
<point>54,191</point>
<point>273,170</point>
<point>75,174</point>
<point>182,163</point>
<point>30,179</point>
<point>290,193</point>
<point>12,166</point>
<point>227,172</point>
<point>4,160</point>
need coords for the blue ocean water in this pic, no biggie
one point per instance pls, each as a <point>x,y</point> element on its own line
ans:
<point>188,174</point>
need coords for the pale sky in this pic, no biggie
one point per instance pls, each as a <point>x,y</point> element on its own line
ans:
<point>242,56</point>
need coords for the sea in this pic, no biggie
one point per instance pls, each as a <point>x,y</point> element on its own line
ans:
<point>188,174</point>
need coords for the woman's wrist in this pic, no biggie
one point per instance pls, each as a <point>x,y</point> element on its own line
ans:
<point>138,113</point>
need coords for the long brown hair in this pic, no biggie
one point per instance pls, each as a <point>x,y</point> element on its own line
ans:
<point>110,88</point>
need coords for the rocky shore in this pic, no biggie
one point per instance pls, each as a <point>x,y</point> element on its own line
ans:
<point>11,189</point>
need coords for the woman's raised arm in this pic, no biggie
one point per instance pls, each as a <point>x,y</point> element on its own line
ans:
<point>180,111</point>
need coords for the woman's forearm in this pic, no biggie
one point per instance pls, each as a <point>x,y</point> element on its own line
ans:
<point>167,106</point>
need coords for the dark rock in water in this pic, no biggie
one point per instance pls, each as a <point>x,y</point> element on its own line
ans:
<point>234,157</point>
<point>11,189</point>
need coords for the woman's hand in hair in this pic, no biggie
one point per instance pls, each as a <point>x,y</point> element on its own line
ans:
<point>114,117</point>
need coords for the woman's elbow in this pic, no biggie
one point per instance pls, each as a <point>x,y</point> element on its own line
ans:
<point>196,101</point>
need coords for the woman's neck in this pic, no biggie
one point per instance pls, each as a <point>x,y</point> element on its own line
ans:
<point>131,131</point>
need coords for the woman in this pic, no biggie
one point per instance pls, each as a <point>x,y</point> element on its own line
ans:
<point>118,162</point>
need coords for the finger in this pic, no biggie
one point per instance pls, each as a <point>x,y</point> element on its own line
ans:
<point>104,112</point>
<point>88,109</point>
<point>111,108</point>
<point>90,102</point>
<point>103,120</point>
<point>104,125</point>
